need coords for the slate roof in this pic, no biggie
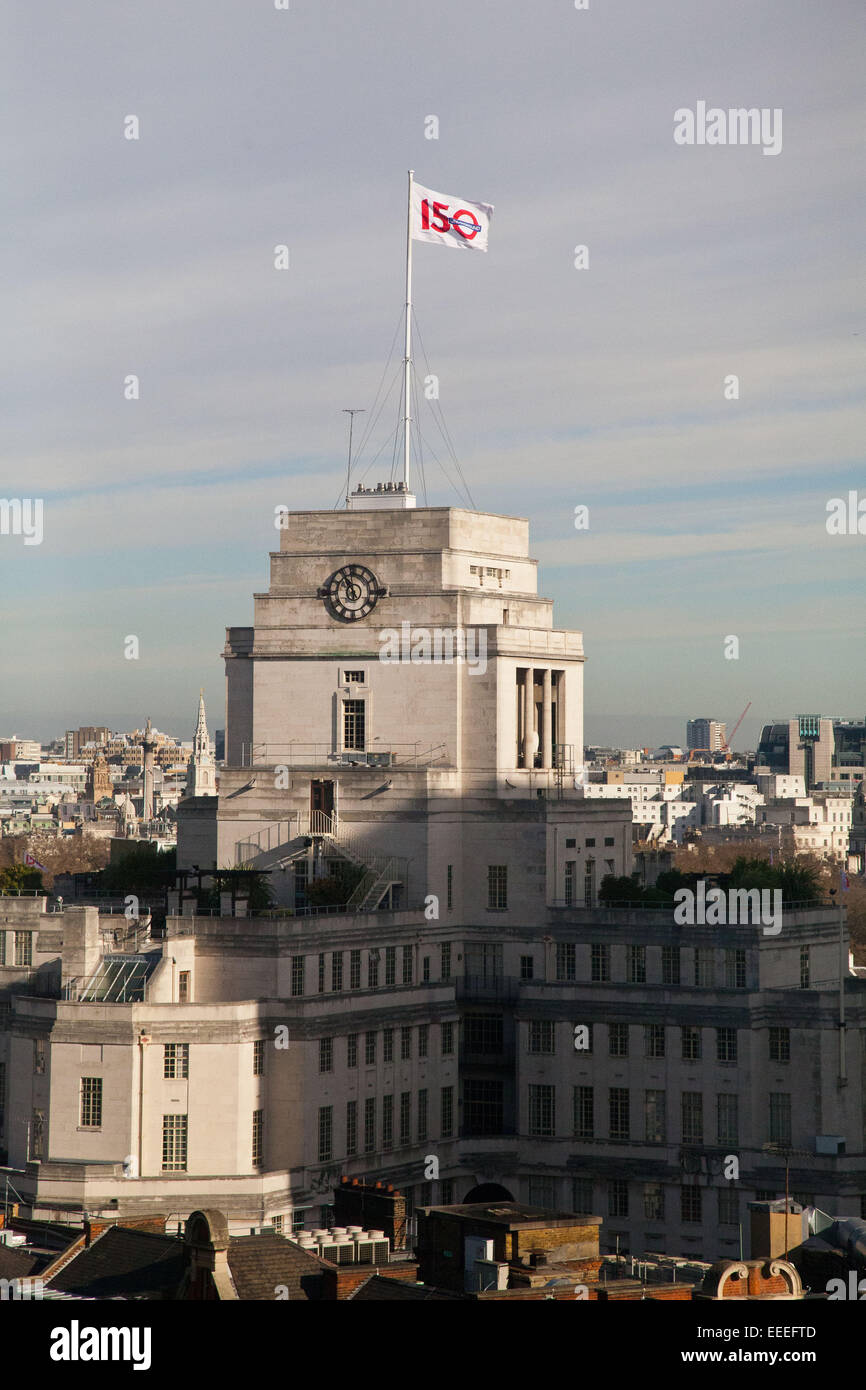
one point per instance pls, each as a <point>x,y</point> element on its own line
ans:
<point>124,1262</point>
<point>259,1264</point>
<point>16,1263</point>
<point>380,1289</point>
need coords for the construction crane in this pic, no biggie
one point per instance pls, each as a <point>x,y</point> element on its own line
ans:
<point>727,743</point>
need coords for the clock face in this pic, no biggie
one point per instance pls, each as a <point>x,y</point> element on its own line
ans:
<point>351,593</point>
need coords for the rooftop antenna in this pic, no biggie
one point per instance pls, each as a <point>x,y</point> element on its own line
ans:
<point>407,358</point>
<point>351,414</point>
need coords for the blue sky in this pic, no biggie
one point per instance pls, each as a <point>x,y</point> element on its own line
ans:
<point>560,387</point>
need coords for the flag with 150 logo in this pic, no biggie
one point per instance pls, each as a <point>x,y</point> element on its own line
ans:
<point>449,221</point>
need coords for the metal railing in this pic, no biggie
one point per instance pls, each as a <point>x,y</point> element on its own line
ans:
<point>313,754</point>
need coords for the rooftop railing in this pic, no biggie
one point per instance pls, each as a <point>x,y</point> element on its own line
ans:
<point>315,754</point>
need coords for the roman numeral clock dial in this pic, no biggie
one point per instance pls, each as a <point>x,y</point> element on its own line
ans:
<point>352,592</point>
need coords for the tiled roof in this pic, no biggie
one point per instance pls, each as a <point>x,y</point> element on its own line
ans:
<point>124,1262</point>
<point>380,1289</point>
<point>17,1263</point>
<point>261,1264</point>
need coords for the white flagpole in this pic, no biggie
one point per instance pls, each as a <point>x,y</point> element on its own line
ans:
<point>407,360</point>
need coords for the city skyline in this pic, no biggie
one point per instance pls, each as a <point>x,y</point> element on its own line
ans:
<point>156,257</point>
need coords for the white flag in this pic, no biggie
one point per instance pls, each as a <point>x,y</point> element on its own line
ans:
<point>449,221</point>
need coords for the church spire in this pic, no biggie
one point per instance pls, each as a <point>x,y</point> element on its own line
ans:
<point>201,768</point>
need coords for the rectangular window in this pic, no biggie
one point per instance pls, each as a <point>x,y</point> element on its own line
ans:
<point>2,947</point>
<point>445,969</point>
<point>91,1102</point>
<point>727,1122</point>
<point>23,948</point>
<point>351,1127</point>
<point>670,965</point>
<point>258,1057</point>
<point>370,1049</point>
<point>653,1201</point>
<point>543,1193</point>
<point>407,965</point>
<point>326,1054</point>
<point>369,1124</point>
<point>405,1044</point>
<point>570,881</point>
<point>326,1133</point>
<point>584,1118</point>
<point>691,1038</point>
<point>780,1044</point>
<point>423,1039</point>
<point>405,1117</point>
<point>353,678</point>
<point>446,1109</point>
<point>618,1039</point>
<point>322,973</point>
<point>483,1033</point>
<point>388,1045</point>
<point>655,1039</point>
<point>582,1196</point>
<point>693,1117</point>
<point>387,1122</point>
<point>618,1111</point>
<point>37,1135</point>
<point>542,1037</point>
<point>183,987</point>
<point>39,1056</point>
<point>352,1050</point>
<point>617,1197</point>
<point>449,887</point>
<point>636,965</point>
<point>354,970</point>
<point>175,1060</point>
<point>497,887</point>
<point>527,967</point>
<point>729,1206</point>
<point>805,973</point>
<point>373,970</point>
<point>654,1116</point>
<point>390,965</point>
<point>258,1129</point>
<point>735,969</point>
<point>337,970</point>
<point>174,1139</point>
<point>542,1110</point>
<point>609,840</point>
<point>482,1107</point>
<point>690,1205</point>
<point>425,970</point>
<point>704,967</point>
<point>447,1039</point>
<point>726,1044</point>
<point>354,730</point>
<point>297,975</point>
<point>600,963</point>
<point>422,1115</point>
<point>566,965</point>
<point>780,1117</point>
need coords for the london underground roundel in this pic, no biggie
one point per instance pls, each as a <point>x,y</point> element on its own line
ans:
<point>352,592</point>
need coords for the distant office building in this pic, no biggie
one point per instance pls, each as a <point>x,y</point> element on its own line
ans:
<point>19,750</point>
<point>706,733</point>
<point>75,739</point>
<point>802,747</point>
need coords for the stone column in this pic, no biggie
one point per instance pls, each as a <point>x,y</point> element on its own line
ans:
<point>528,716</point>
<point>547,720</point>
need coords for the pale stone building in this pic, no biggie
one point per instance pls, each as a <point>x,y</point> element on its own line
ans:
<point>421,1032</point>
